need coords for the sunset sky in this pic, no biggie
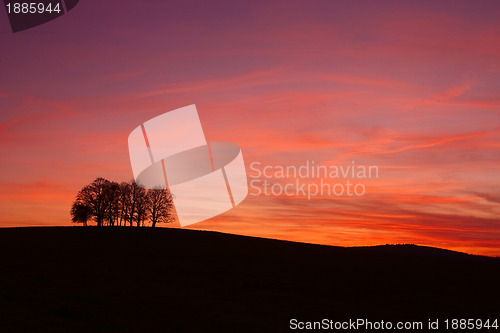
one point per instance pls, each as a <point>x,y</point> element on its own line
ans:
<point>412,87</point>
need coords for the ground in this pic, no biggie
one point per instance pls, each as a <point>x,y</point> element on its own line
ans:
<point>77,279</point>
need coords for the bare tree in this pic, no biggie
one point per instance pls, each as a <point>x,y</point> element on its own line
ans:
<point>160,205</point>
<point>124,202</point>
<point>141,206</point>
<point>136,202</point>
<point>96,197</point>
<point>113,195</point>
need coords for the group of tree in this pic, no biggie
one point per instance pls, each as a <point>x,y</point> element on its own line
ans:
<point>119,204</point>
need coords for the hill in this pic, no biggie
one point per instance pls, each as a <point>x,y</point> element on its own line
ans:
<point>75,279</point>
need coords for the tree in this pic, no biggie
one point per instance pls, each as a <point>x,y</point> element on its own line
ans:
<point>114,206</point>
<point>80,213</point>
<point>136,199</point>
<point>124,202</point>
<point>110,203</point>
<point>141,206</point>
<point>160,205</point>
<point>96,197</point>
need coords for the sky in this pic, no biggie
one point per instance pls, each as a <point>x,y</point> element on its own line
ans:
<point>412,87</point>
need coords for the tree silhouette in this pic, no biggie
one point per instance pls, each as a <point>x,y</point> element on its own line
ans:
<point>80,213</point>
<point>96,197</point>
<point>107,202</point>
<point>160,206</point>
<point>114,206</point>
<point>124,202</point>
<point>136,199</point>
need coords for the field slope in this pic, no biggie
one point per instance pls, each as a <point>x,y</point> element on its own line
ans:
<point>75,279</point>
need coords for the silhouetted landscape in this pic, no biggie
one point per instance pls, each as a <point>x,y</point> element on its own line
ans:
<point>117,279</point>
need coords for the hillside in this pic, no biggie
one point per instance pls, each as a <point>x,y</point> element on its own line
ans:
<point>75,279</point>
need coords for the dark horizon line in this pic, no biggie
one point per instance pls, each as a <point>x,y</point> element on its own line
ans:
<point>394,245</point>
